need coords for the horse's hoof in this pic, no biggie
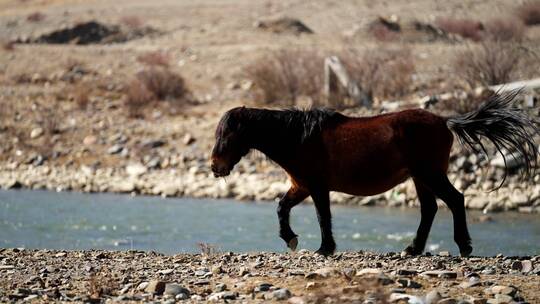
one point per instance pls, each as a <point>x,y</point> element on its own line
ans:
<point>324,252</point>
<point>410,251</point>
<point>293,243</point>
<point>466,252</point>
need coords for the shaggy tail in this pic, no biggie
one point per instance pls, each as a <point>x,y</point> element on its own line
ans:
<point>505,125</point>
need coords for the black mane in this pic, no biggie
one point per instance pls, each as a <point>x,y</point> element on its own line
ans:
<point>302,123</point>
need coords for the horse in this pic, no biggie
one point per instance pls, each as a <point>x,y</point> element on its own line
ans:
<point>322,150</point>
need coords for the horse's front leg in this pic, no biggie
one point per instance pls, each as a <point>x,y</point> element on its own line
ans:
<point>292,198</point>
<point>321,199</point>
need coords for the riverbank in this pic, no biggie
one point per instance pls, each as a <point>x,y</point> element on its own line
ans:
<point>302,277</point>
<point>256,178</point>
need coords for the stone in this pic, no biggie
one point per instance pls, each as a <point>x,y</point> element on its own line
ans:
<point>505,290</point>
<point>262,287</point>
<point>221,287</point>
<point>153,143</point>
<point>36,132</point>
<point>445,274</point>
<point>448,301</point>
<point>407,283</point>
<point>369,271</point>
<point>174,289</point>
<point>477,202</point>
<point>115,149</point>
<point>281,294</point>
<point>224,295</point>
<point>90,140</point>
<point>188,139</point>
<point>322,273</point>
<point>155,287</point>
<point>406,272</point>
<point>433,297</point>
<point>136,169</point>
<point>444,253</point>
<point>526,266</point>
<point>297,300</point>
<point>397,297</point>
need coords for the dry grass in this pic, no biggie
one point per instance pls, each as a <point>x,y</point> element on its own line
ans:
<point>36,17</point>
<point>284,76</point>
<point>381,73</point>
<point>157,58</point>
<point>529,12</point>
<point>208,249</point>
<point>489,63</point>
<point>466,28</point>
<point>504,29</point>
<point>81,96</point>
<point>101,284</point>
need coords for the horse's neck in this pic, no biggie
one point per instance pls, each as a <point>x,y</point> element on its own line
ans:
<point>271,138</point>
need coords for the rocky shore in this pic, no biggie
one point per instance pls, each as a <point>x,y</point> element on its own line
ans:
<point>301,277</point>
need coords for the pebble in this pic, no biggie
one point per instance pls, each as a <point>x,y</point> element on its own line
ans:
<point>433,297</point>
<point>281,294</point>
<point>155,287</point>
<point>407,283</point>
<point>175,289</point>
<point>440,274</point>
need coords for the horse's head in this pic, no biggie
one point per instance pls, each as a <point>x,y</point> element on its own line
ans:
<point>231,144</point>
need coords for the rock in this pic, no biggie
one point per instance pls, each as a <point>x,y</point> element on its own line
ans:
<point>322,273</point>
<point>115,149</point>
<point>281,294</point>
<point>173,289</point>
<point>440,274</point>
<point>369,271</point>
<point>37,132</point>
<point>448,301</point>
<point>90,140</point>
<point>526,266</point>
<point>444,253</point>
<point>188,139</point>
<point>406,272</point>
<point>477,202</point>
<point>407,283</point>
<point>397,297</point>
<point>504,290</point>
<point>136,169</point>
<point>155,287</point>
<point>433,297</point>
<point>153,143</point>
<point>224,295</point>
<point>263,287</point>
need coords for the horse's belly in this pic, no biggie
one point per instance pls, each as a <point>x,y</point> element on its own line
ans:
<point>364,184</point>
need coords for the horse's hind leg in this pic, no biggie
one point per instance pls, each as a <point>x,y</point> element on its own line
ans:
<point>321,198</point>
<point>292,198</point>
<point>428,209</point>
<point>441,186</point>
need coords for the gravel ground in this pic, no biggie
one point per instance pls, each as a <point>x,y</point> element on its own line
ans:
<point>301,277</point>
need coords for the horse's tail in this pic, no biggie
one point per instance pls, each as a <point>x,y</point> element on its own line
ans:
<point>505,125</point>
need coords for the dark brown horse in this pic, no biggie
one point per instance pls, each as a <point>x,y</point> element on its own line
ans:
<point>324,151</point>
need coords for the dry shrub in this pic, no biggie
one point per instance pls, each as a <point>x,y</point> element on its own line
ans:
<point>155,84</point>
<point>466,28</point>
<point>163,83</point>
<point>284,76</point>
<point>133,22</point>
<point>381,73</point>
<point>8,45</point>
<point>489,63</point>
<point>208,249</point>
<point>35,17</point>
<point>157,58</point>
<point>81,96</point>
<point>101,284</point>
<point>383,33</point>
<point>504,29</point>
<point>529,12</point>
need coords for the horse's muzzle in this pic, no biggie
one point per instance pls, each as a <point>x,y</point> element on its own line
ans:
<point>220,171</point>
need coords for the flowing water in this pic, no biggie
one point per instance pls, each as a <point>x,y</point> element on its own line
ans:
<point>40,219</point>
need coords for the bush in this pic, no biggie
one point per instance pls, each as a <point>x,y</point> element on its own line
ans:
<point>504,30</point>
<point>282,77</point>
<point>529,13</point>
<point>466,28</point>
<point>156,58</point>
<point>489,63</point>
<point>35,17</point>
<point>155,84</point>
<point>381,73</point>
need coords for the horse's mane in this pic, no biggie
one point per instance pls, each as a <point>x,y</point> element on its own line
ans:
<point>303,123</point>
